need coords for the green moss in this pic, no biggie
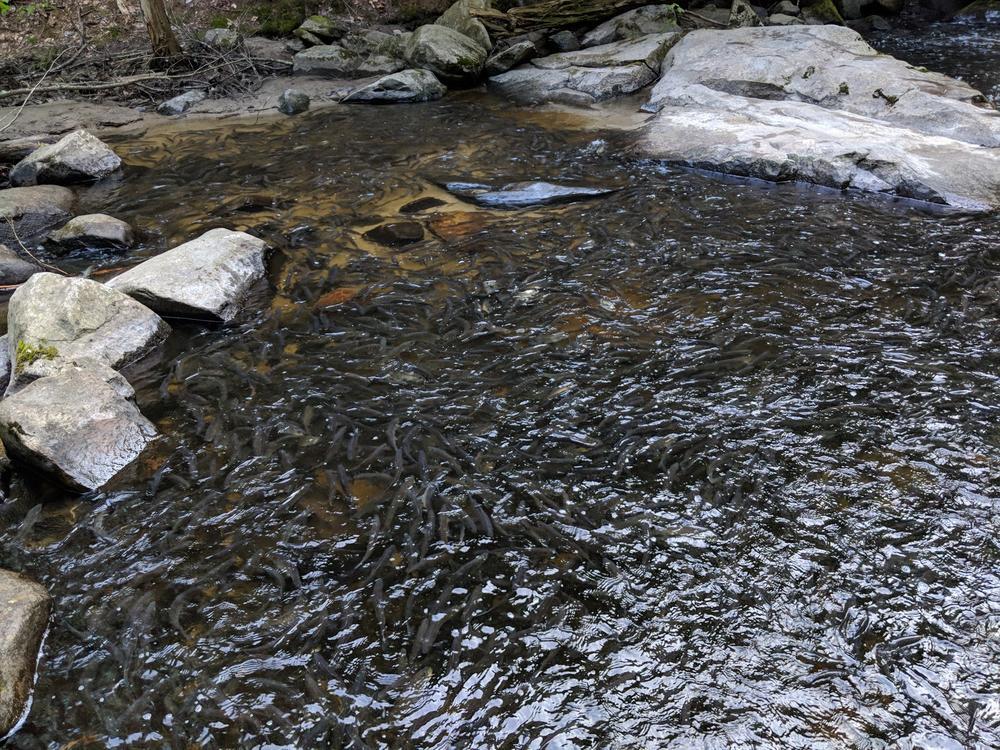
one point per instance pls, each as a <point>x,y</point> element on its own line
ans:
<point>280,17</point>
<point>26,354</point>
<point>823,11</point>
<point>844,88</point>
<point>219,22</point>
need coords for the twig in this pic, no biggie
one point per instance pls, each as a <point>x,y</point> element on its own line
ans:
<point>27,251</point>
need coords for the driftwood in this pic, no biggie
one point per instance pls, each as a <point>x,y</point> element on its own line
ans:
<point>553,14</point>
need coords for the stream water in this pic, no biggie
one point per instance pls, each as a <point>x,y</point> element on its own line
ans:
<point>701,464</point>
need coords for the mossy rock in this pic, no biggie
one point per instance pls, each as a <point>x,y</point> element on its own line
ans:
<point>280,17</point>
<point>823,11</point>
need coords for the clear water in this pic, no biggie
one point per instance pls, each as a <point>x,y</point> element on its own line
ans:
<point>703,464</point>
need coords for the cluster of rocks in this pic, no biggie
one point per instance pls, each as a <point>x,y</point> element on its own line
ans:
<point>66,409</point>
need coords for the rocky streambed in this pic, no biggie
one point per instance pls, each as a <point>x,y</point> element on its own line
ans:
<point>520,416</point>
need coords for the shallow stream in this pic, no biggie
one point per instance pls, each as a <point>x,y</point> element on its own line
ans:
<point>701,464</point>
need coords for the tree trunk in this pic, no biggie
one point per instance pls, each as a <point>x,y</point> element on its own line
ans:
<point>158,25</point>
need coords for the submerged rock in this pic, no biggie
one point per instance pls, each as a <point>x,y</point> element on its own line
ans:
<point>510,57</point>
<point>338,61</point>
<point>24,615</point>
<point>293,102</point>
<point>397,88</point>
<point>649,19</point>
<point>830,66</point>
<point>452,57</point>
<point>14,269</point>
<point>93,231</point>
<point>32,211</point>
<point>181,103</point>
<point>459,18</point>
<point>79,425</point>
<point>396,233</point>
<point>208,278</point>
<point>589,75</point>
<point>787,140</point>
<point>523,194</point>
<point>77,157</point>
<point>55,320</point>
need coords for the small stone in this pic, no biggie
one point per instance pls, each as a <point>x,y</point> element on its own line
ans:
<point>222,39</point>
<point>77,157</point>
<point>455,225</point>
<point>323,29</point>
<point>510,57</point>
<point>785,6</point>
<point>181,104</point>
<point>421,204</point>
<point>25,607</point>
<point>14,269</point>
<point>208,278</point>
<point>878,23</point>
<point>781,19</point>
<point>80,425</point>
<point>293,102</point>
<point>4,365</point>
<point>93,231</point>
<point>396,234</point>
<point>565,41</point>
<point>308,39</point>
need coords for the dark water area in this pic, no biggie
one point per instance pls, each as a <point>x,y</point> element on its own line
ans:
<point>701,464</point>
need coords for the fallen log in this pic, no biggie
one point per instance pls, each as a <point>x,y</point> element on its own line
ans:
<point>552,14</point>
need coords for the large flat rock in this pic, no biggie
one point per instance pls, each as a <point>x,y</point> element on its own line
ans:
<point>79,425</point>
<point>588,75</point>
<point>24,615</point>
<point>57,320</point>
<point>338,61</point>
<point>207,278</point>
<point>830,66</point>
<point>790,140</point>
<point>32,211</point>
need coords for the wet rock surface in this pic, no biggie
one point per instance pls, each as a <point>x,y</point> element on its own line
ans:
<point>588,75</point>
<point>399,88</point>
<point>79,425</point>
<point>207,278</point>
<point>27,212</point>
<point>77,157</point>
<point>832,67</point>
<point>92,231</point>
<point>524,194</point>
<point>24,614</point>
<point>510,57</point>
<point>396,233</point>
<point>58,320</point>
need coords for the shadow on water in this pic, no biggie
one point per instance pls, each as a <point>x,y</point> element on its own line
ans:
<point>700,464</point>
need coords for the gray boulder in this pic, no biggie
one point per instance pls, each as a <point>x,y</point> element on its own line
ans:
<point>80,425</point>
<point>832,67</point>
<point>55,320</point>
<point>453,57</point>
<point>293,102</point>
<point>790,140</point>
<point>77,157</point>
<point>588,75</point>
<point>92,231</point>
<point>25,608</point>
<point>524,194</point>
<point>397,88</point>
<point>30,211</point>
<point>13,268</point>
<point>565,41</point>
<point>787,7</point>
<point>458,18</point>
<point>649,19</point>
<point>181,103</point>
<point>4,363</point>
<point>510,57</point>
<point>223,39</point>
<point>322,29</point>
<point>208,278</point>
<point>338,61</point>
